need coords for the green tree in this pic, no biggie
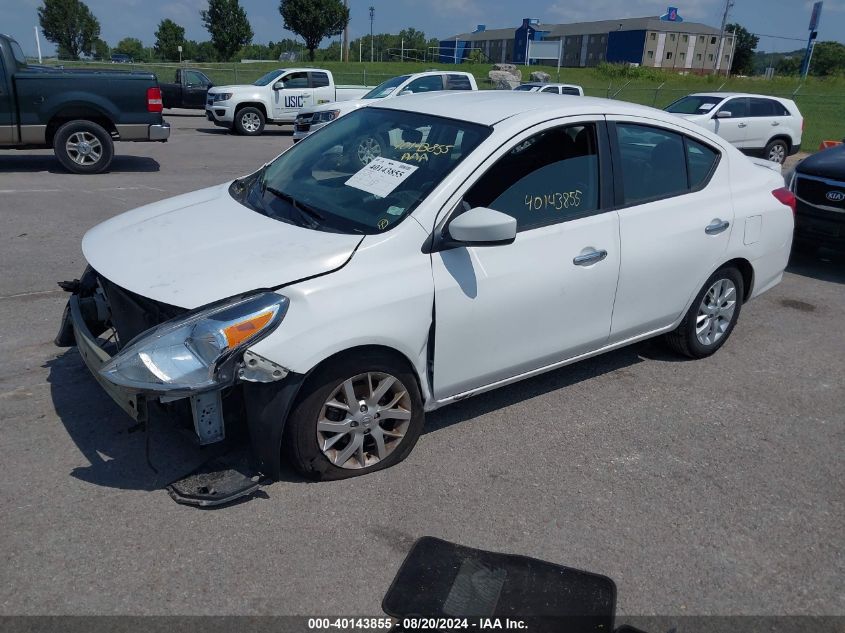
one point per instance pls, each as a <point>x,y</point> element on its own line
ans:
<point>314,20</point>
<point>828,59</point>
<point>70,25</point>
<point>743,57</point>
<point>205,52</point>
<point>226,22</point>
<point>101,49</point>
<point>788,66</point>
<point>130,46</point>
<point>169,37</point>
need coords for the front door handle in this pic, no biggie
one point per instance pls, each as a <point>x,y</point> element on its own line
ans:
<point>741,125</point>
<point>775,123</point>
<point>716,226</point>
<point>589,258</point>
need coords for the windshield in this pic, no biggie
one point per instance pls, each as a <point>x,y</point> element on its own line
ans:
<point>364,173</point>
<point>694,104</point>
<point>385,88</point>
<point>526,87</point>
<point>266,79</point>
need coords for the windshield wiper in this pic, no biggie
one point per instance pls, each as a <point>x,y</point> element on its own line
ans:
<point>304,209</point>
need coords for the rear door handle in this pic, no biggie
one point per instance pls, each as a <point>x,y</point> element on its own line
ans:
<point>741,125</point>
<point>589,258</point>
<point>716,226</point>
<point>775,123</point>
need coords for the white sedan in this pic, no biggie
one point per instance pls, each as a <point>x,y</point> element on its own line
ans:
<point>500,235</point>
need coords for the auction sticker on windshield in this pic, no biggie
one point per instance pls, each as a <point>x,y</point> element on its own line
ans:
<point>381,176</point>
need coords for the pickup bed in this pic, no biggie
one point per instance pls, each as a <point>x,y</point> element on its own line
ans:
<point>79,113</point>
<point>187,91</point>
<point>274,98</point>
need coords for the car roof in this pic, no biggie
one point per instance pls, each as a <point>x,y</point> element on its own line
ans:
<point>726,95</point>
<point>546,84</point>
<point>489,107</point>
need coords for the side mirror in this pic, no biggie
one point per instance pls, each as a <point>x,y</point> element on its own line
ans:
<point>279,85</point>
<point>482,227</point>
<point>724,114</point>
<point>406,91</point>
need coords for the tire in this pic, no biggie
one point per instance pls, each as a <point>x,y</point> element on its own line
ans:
<point>249,121</point>
<point>686,340</point>
<point>320,453</point>
<point>366,148</point>
<point>83,147</point>
<point>777,150</point>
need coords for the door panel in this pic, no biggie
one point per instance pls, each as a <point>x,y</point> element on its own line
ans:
<point>666,252</point>
<point>505,310</point>
<point>295,96</point>
<point>733,129</point>
<point>8,131</point>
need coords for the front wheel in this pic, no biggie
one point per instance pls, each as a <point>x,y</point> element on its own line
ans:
<point>357,415</point>
<point>776,151</point>
<point>83,147</point>
<point>249,121</point>
<point>711,317</point>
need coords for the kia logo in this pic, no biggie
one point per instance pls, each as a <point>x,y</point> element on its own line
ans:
<point>835,196</point>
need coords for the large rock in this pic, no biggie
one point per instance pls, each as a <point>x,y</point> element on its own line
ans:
<point>502,80</point>
<point>541,77</point>
<point>510,69</point>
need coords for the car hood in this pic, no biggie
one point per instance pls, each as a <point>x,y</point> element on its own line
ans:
<point>344,106</point>
<point>203,246</point>
<point>829,163</point>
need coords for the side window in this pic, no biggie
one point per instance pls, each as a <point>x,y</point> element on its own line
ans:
<point>779,109</point>
<point>458,82</point>
<point>570,91</point>
<point>548,178</point>
<point>193,78</point>
<point>425,84</point>
<point>701,160</point>
<point>762,107</point>
<point>319,80</point>
<point>660,164</point>
<point>737,107</point>
<point>552,89</point>
<point>296,80</point>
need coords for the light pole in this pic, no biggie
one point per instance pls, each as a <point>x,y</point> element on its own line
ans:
<point>345,53</point>
<point>372,47</point>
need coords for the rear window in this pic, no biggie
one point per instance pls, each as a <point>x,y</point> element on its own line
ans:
<point>17,53</point>
<point>319,80</point>
<point>458,82</point>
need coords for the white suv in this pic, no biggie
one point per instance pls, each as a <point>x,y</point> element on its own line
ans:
<point>756,124</point>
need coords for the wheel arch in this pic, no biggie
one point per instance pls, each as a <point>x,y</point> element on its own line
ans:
<point>746,270</point>
<point>781,137</point>
<point>79,113</point>
<point>252,104</point>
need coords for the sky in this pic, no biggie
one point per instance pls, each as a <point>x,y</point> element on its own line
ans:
<point>441,18</point>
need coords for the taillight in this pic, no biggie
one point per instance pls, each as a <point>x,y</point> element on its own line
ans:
<point>154,103</point>
<point>785,196</point>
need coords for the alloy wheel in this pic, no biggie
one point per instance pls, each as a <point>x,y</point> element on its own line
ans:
<point>84,148</point>
<point>715,312</point>
<point>364,420</point>
<point>250,122</point>
<point>777,153</point>
<point>368,150</point>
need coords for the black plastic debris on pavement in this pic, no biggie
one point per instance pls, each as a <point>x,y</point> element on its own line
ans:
<point>221,480</point>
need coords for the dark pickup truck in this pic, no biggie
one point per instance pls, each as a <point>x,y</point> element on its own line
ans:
<point>188,91</point>
<point>79,113</point>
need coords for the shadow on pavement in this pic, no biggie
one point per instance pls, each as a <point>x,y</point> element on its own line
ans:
<point>823,264</point>
<point>48,162</point>
<point>539,385</point>
<point>268,131</point>
<point>101,431</point>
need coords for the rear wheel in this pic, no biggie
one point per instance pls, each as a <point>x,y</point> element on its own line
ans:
<point>249,121</point>
<point>83,147</point>
<point>711,317</point>
<point>356,415</point>
<point>776,151</point>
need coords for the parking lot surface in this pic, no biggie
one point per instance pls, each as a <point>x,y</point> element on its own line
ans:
<point>700,487</point>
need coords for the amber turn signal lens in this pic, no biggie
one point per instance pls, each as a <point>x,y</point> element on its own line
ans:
<point>239,332</point>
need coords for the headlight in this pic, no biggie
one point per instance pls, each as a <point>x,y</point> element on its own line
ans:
<point>325,117</point>
<point>221,96</point>
<point>191,353</point>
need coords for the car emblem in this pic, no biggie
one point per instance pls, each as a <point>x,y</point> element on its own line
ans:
<point>835,196</point>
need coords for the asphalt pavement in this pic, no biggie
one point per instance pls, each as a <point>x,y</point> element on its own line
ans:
<point>700,487</point>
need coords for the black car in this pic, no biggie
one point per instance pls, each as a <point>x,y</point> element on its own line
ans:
<point>819,185</point>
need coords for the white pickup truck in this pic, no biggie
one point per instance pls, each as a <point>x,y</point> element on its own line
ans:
<point>274,98</point>
<point>312,118</point>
